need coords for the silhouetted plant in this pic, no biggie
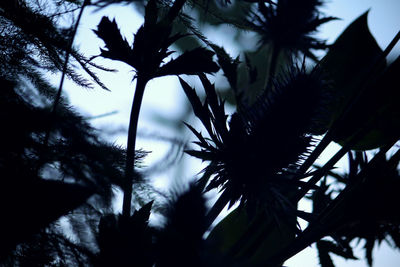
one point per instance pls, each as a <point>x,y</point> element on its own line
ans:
<point>180,241</point>
<point>54,164</point>
<point>288,26</point>
<point>149,50</point>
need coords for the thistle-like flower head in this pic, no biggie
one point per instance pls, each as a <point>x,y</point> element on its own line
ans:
<point>289,24</point>
<point>255,158</point>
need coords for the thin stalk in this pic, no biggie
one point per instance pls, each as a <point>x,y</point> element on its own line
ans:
<point>174,11</point>
<point>324,170</point>
<point>272,65</point>
<point>323,223</point>
<point>60,87</point>
<point>64,70</point>
<point>130,152</point>
<point>325,217</point>
<point>333,160</point>
<point>326,140</point>
<point>216,209</point>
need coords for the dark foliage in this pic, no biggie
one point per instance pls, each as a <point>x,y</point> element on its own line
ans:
<point>125,241</point>
<point>150,47</point>
<point>57,174</point>
<point>289,25</point>
<point>180,241</point>
<point>365,211</point>
<point>31,39</point>
<point>44,183</point>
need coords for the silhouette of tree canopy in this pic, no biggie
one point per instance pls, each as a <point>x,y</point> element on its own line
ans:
<point>58,173</point>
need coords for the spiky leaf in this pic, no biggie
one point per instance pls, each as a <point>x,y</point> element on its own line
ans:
<point>191,62</point>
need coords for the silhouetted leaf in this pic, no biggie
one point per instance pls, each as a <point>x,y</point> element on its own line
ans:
<point>250,239</point>
<point>369,245</point>
<point>323,254</point>
<point>126,241</point>
<point>118,47</point>
<point>336,249</point>
<point>203,155</point>
<point>378,107</point>
<point>190,63</point>
<point>198,109</point>
<point>219,118</point>
<point>203,142</point>
<point>228,65</point>
<point>348,64</point>
<point>143,213</point>
<point>229,230</point>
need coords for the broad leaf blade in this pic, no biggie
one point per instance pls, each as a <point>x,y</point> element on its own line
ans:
<point>247,239</point>
<point>348,66</point>
<point>381,99</point>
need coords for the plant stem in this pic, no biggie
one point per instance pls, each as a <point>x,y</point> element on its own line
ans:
<point>42,157</point>
<point>64,69</point>
<point>334,159</point>
<point>130,152</point>
<point>174,10</point>
<point>217,208</point>
<point>326,140</point>
<point>272,66</point>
